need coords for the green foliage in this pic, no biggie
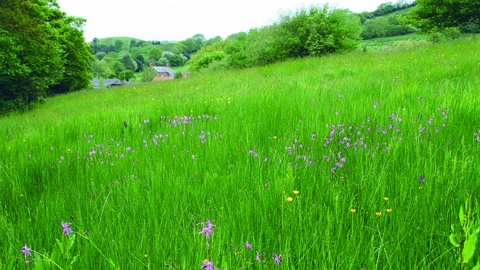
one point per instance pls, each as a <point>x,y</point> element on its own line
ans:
<point>430,14</point>
<point>208,58</point>
<point>126,75</point>
<point>118,45</point>
<point>100,55</point>
<point>436,35</point>
<point>102,70</point>
<point>43,51</point>
<point>177,60</point>
<point>129,63</point>
<point>117,67</point>
<point>190,45</point>
<point>466,239</point>
<point>236,51</point>
<point>155,53</point>
<point>336,33</point>
<point>385,27</point>
<point>178,75</point>
<point>218,46</point>
<point>212,41</point>
<point>148,74</point>
<point>168,55</point>
<point>318,30</point>
<point>162,62</point>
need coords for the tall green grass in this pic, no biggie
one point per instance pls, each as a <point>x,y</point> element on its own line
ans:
<point>232,147</point>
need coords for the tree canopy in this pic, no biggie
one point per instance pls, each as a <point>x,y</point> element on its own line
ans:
<point>445,13</point>
<point>42,52</point>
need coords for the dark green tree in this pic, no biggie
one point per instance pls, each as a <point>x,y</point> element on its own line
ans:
<point>133,44</point>
<point>430,14</point>
<point>77,55</point>
<point>190,45</point>
<point>128,63</point>
<point>94,45</point>
<point>126,75</point>
<point>118,45</point>
<point>41,49</point>
<point>140,65</point>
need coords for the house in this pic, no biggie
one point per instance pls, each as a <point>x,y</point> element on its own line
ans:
<point>107,83</point>
<point>163,73</point>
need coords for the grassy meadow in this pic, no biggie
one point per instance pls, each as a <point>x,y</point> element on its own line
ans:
<point>355,161</point>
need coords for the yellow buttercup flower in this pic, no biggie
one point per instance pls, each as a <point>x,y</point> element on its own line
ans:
<point>289,199</point>
<point>296,192</point>
<point>378,214</point>
<point>389,210</point>
<point>353,210</point>
<point>386,198</point>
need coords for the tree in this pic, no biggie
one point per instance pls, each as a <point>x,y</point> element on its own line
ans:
<point>118,45</point>
<point>140,65</point>
<point>133,44</point>
<point>236,51</point>
<point>177,60</point>
<point>212,41</point>
<point>155,53</point>
<point>190,45</point>
<point>117,67</point>
<point>100,55</point>
<point>95,45</point>
<point>445,13</point>
<point>199,39</point>
<point>77,70</point>
<point>102,70</point>
<point>128,63</point>
<point>126,75</point>
<point>148,74</point>
<point>40,48</point>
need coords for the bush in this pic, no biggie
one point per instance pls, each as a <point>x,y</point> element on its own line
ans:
<point>451,33</point>
<point>209,58</point>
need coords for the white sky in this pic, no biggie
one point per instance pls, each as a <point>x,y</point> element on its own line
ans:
<point>176,20</point>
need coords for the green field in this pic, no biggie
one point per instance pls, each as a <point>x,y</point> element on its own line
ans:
<point>321,160</point>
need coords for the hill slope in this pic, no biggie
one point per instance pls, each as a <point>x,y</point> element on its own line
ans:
<point>340,162</point>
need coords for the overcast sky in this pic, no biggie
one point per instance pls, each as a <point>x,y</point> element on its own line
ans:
<point>176,20</point>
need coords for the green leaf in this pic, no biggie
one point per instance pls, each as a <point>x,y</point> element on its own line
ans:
<point>453,240</point>
<point>469,247</point>
<point>477,267</point>
<point>60,244</point>
<point>74,260</point>
<point>71,241</point>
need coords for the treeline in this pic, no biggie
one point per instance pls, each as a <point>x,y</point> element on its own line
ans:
<point>318,30</point>
<point>123,58</point>
<point>42,51</point>
<point>379,23</point>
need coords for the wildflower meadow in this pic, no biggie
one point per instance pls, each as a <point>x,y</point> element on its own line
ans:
<point>354,161</point>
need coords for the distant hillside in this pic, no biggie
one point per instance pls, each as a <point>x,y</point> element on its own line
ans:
<point>385,24</point>
<point>111,40</point>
